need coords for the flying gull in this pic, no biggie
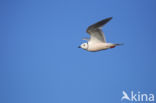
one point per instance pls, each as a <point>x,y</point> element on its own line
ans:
<point>97,41</point>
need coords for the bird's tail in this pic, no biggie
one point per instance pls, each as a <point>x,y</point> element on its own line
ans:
<point>119,44</point>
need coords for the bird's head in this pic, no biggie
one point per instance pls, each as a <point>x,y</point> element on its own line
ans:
<point>84,46</point>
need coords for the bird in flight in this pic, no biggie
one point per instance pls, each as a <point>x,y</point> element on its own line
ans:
<point>97,41</point>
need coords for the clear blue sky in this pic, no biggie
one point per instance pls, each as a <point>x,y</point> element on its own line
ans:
<point>40,61</point>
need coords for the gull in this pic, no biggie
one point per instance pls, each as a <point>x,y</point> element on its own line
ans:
<point>97,41</point>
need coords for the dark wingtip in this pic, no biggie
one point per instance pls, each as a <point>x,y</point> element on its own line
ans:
<point>99,24</point>
<point>109,18</point>
<point>120,44</point>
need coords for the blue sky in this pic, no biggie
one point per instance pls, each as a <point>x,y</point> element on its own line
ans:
<point>40,61</point>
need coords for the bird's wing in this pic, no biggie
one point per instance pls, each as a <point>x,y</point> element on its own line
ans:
<point>87,39</point>
<point>95,31</point>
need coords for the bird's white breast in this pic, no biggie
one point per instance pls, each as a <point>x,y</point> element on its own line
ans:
<point>98,46</point>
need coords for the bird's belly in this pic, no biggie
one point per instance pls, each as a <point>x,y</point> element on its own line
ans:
<point>98,47</point>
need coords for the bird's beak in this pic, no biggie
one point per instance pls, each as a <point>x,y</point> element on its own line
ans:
<point>79,46</point>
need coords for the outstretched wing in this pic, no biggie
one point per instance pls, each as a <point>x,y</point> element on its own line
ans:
<point>95,31</point>
<point>87,39</point>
